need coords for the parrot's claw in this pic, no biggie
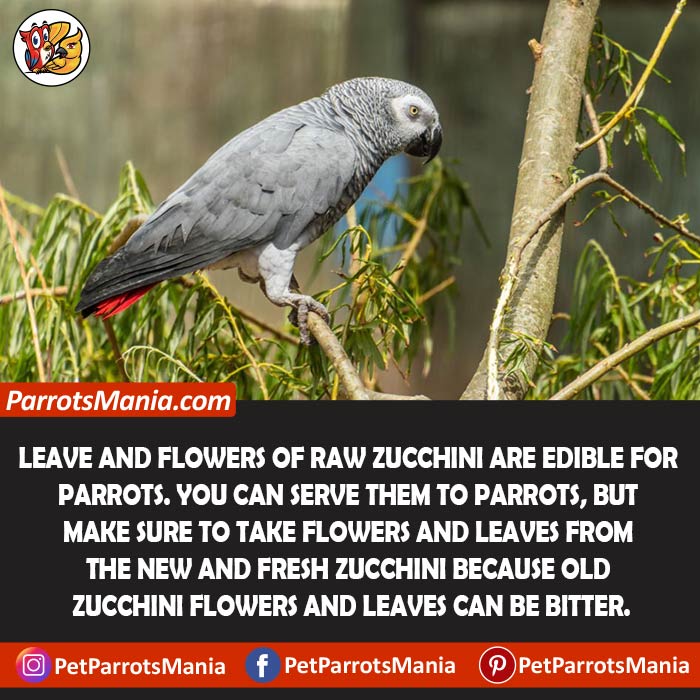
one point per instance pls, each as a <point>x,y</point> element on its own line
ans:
<point>299,316</point>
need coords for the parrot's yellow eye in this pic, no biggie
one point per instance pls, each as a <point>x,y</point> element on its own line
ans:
<point>413,111</point>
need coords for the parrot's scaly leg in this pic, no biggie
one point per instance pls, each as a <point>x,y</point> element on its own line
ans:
<point>275,267</point>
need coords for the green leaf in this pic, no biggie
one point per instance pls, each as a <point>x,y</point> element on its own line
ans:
<point>666,125</point>
<point>640,135</point>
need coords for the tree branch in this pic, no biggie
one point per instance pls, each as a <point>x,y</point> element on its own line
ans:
<point>510,277</point>
<point>34,292</point>
<point>490,363</point>
<point>624,353</point>
<point>511,272</point>
<point>595,126</point>
<point>648,209</point>
<point>420,226</point>
<point>548,153</point>
<point>329,343</point>
<point>65,171</point>
<point>116,350</point>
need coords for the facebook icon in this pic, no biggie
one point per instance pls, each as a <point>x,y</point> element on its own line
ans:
<point>263,665</point>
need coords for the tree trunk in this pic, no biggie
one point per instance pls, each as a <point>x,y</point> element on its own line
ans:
<point>548,152</point>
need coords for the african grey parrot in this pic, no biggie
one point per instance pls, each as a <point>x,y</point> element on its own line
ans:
<point>268,193</point>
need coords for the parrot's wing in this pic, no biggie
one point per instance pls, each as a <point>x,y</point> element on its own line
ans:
<point>269,183</point>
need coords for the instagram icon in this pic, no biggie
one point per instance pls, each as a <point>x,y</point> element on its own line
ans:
<point>33,664</point>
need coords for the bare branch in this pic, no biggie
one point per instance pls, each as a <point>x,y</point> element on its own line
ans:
<point>648,209</point>
<point>439,287</point>
<point>595,126</point>
<point>630,381</point>
<point>329,343</point>
<point>116,350</point>
<point>420,227</point>
<point>65,172</point>
<point>624,353</point>
<point>17,296</point>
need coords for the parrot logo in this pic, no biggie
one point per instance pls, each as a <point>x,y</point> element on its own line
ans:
<point>53,43</point>
<point>50,50</point>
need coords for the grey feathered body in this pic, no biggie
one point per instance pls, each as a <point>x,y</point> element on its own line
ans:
<point>264,195</point>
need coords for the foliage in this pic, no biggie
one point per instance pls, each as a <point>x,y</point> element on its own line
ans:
<point>607,309</point>
<point>184,330</point>
<point>611,67</point>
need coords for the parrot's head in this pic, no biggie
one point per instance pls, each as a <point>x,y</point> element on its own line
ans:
<point>418,124</point>
<point>395,116</point>
<point>414,122</point>
<point>39,49</point>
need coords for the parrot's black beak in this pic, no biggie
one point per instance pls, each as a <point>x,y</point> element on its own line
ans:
<point>427,145</point>
<point>435,142</point>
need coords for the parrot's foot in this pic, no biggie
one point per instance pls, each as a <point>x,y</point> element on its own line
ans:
<point>299,316</point>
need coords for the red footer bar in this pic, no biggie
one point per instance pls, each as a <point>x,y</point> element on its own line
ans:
<point>352,665</point>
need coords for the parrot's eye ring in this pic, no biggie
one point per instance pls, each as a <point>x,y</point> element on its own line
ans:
<point>35,40</point>
<point>413,110</point>
<point>46,34</point>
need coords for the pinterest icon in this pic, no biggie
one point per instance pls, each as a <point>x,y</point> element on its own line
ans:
<point>497,665</point>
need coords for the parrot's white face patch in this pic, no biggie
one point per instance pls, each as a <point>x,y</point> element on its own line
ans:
<point>413,114</point>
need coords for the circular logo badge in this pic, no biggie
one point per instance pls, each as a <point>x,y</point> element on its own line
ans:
<point>33,665</point>
<point>497,665</point>
<point>51,47</point>
<point>263,665</point>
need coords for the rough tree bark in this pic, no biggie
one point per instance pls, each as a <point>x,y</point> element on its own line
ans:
<point>548,152</point>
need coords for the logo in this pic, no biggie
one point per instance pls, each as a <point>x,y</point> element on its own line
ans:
<point>51,47</point>
<point>497,665</point>
<point>263,665</point>
<point>33,665</point>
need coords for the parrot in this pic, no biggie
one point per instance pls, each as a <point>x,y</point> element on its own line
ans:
<point>67,56</point>
<point>39,48</point>
<point>269,192</point>
<point>49,50</point>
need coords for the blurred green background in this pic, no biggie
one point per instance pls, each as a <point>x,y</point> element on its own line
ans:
<point>169,81</point>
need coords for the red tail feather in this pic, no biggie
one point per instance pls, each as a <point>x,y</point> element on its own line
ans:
<point>112,306</point>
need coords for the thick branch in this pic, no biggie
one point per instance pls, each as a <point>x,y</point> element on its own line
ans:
<point>548,152</point>
<point>510,277</point>
<point>624,353</point>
